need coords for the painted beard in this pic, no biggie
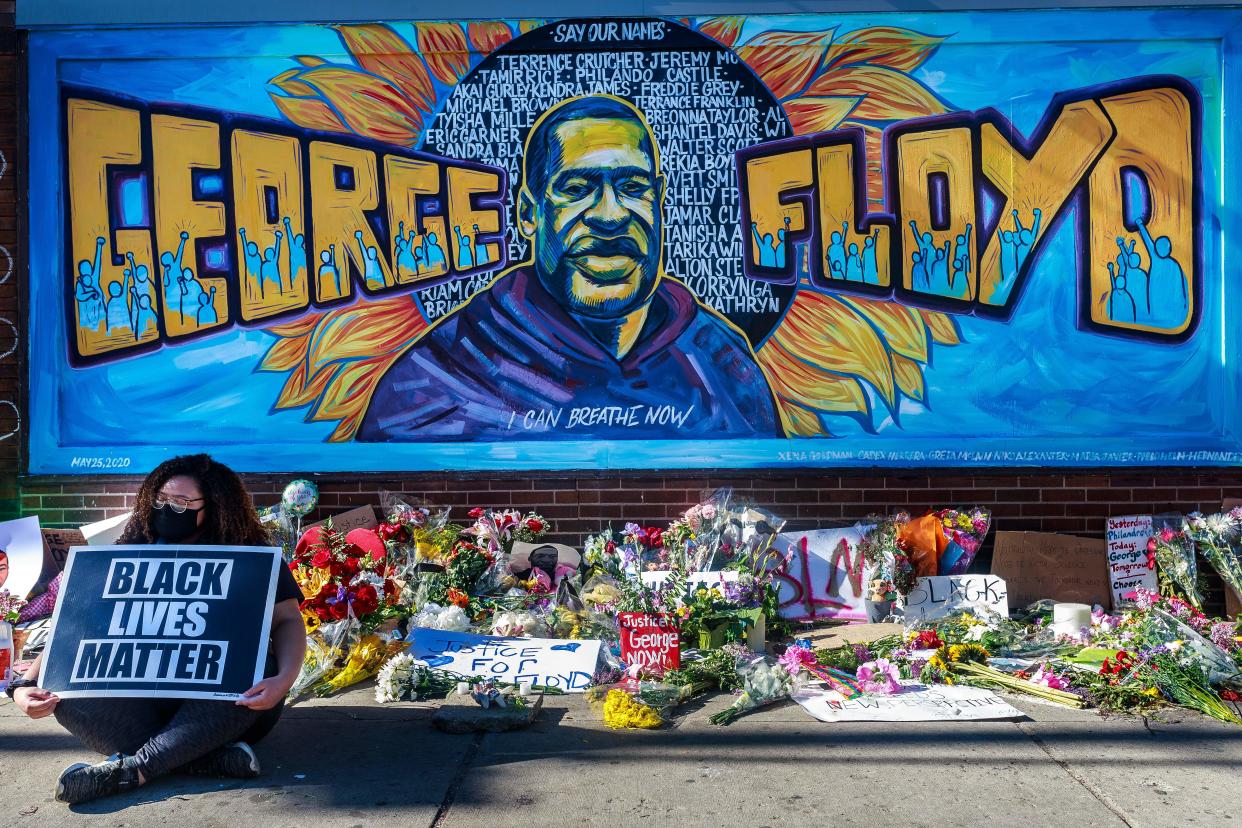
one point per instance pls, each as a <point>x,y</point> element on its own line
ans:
<point>604,278</point>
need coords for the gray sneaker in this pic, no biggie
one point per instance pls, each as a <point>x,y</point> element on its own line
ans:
<point>81,782</point>
<point>235,760</point>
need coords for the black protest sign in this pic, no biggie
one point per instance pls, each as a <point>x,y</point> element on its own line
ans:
<point>187,622</point>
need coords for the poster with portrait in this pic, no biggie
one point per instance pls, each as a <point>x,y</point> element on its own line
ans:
<point>564,243</point>
<point>21,555</point>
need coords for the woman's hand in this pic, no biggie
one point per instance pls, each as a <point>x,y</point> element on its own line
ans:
<point>266,694</point>
<point>34,702</point>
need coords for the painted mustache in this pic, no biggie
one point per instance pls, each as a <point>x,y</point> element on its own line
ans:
<point>621,246</point>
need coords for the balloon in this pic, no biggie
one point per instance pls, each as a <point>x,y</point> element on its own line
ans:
<point>299,498</point>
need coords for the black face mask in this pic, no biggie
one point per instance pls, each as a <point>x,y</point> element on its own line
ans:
<point>173,527</point>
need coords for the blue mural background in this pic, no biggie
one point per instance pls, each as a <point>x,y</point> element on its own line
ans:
<point>1035,390</point>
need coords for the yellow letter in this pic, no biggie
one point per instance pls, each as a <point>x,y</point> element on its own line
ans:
<point>468,222</point>
<point>179,145</point>
<point>107,299</point>
<point>341,228</point>
<point>847,255</point>
<point>407,180</point>
<point>772,222</point>
<point>271,264</point>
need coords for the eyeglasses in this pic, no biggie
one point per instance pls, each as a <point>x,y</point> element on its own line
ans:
<point>174,502</point>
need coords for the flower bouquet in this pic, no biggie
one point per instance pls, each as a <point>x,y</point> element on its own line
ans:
<point>1175,555</point>
<point>965,532</point>
<point>403,678</point>
<point>497,531</point>
<point>1217,538</point>
<point>886,555</point>
<point>763,683</point>
<point>968,663</point>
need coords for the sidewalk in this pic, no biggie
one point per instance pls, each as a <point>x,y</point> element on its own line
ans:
<point>348,761</point>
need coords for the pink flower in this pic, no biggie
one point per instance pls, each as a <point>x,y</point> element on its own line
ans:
<point>879,677</point>
<point>1049,679</point>
<point>795,658</point>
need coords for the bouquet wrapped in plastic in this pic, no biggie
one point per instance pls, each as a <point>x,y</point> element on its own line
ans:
<point>633,704</point>
<point>763,683</point>
<point>403,678</point>
<point>1175,556</point>
<point>1218,539</point>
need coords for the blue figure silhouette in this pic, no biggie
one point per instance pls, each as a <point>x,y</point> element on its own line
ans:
<point>767,254</point>
<point>1120,303</point>
<point>419,260</point>
<point>1130,266</point>
<point>142,284</point>
<point>853,265</point>
<point>1167,295</point>
<point>1008,262</point>
<point>961,260</point>
<point>837,271</point>
<point>190,291</point>
<point>920,276</point>
<point>297,252</point>
<point>465,250</point>
<point>327,267</point>
<point>144,314</point>
<point>370,263</point>
<point>434,254</point>
<point>173,277</point>
<point>1024,237</point>
<point>836,248</point>
<point>778,251</point>
<point>270,269</point>
<point>86,291</point>
<point>871,271</point>
<point>117,309</point>
<point>480,249</point>
<point>407,265</point>
<point>917,269</point>
<point>253,261</point>
<point>940,270</point>
<point>206,313</point>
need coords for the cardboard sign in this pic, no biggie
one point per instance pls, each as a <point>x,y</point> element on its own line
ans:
<point>916,703</point>
<point>167,621</point>
<point>1128,564</point>
<point>21,555</point>
<point>941,595</point>
<point>105,532</point>
<point>548,662</point>
<point>56,545</point>
<point>650,641</point>
<point>361,518</point>
<point>822,574</point>
<point>1039,565</point>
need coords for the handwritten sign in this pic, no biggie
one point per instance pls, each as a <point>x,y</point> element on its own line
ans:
<point>649,641</point>
<point>941,595</point>
<point>916,703</point>
<point>183,622</point>
<point>56,545</point>
<point>822,574</point>
<point>361,518</point>
<point>1039,565</point>
<point>550,662</point>
<point>1128,565</point>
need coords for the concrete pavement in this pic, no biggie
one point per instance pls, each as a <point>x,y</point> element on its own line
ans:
<point>347,761</point>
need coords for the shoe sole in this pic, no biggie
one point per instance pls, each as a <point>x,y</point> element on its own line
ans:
<point>250,754</point>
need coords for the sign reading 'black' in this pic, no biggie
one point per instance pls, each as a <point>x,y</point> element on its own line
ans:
<point>161,621</point>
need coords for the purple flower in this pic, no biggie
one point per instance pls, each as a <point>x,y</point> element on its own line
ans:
<point>862,653</point>
<point>795,658</point>
<point>1223,636</point>
<point>879,676</point>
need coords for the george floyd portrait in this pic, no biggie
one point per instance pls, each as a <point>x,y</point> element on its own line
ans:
<point>589,337</point>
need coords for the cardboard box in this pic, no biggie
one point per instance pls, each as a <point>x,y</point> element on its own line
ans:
<point>1039,565</point>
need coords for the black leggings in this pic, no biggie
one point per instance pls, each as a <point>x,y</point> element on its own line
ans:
<point>162,734</point>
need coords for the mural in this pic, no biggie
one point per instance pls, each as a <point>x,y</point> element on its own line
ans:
<point>634,243</point>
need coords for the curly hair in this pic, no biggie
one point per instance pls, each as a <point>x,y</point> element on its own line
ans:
<point>230,519</point>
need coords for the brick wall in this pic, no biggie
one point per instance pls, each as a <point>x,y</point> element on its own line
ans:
<point>10,267</point>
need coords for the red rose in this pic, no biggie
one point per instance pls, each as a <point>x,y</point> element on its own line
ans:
<point>534,524</point>
<point>321,559</point>
<point>1230,696</point>
<point>655,537</point>
<point>365,600</point>
<point>339,610</point>
<point>326,591</point>
<point>321,613</point>
<point>389,531</point>
<point>476,512</point>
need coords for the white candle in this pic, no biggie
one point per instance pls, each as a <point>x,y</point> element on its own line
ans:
<point>1069,619</point>
<point>524,688</point>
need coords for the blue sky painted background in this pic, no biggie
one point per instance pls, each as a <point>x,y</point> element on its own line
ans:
<point>1033,390</point>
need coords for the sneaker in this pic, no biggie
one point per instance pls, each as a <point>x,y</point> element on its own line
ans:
<point>81,782</point>
<point>236,760</point>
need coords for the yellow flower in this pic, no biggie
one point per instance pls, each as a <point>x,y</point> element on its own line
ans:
<point>621,711</point>
<point>426,551</point>
<point>311,621</point>
<point>1152,692</point>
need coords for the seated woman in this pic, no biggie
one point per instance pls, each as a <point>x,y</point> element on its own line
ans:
<point>186,501</point>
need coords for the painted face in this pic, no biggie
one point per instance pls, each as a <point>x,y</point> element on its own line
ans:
<point>4,567</point>
<point>596,223</point>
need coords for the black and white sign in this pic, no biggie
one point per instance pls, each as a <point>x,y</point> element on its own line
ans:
<point>187,622</point>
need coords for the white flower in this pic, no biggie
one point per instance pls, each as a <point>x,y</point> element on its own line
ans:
<point>433,616</point>
<point>1221,525</point>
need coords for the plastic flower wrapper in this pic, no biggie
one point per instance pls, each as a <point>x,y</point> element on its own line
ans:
<point>1162,629</point>
<point>965,531</point>
<point>603,555</point>
<point>889,572</point>
<point>519,623</point>
<point>433,616</point>
<point>763,683</point>
<point>694,539</point>
<point>326,649</point>
<point>364,661</point>
<point>1217,537</point>
<point>1175,555</point>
